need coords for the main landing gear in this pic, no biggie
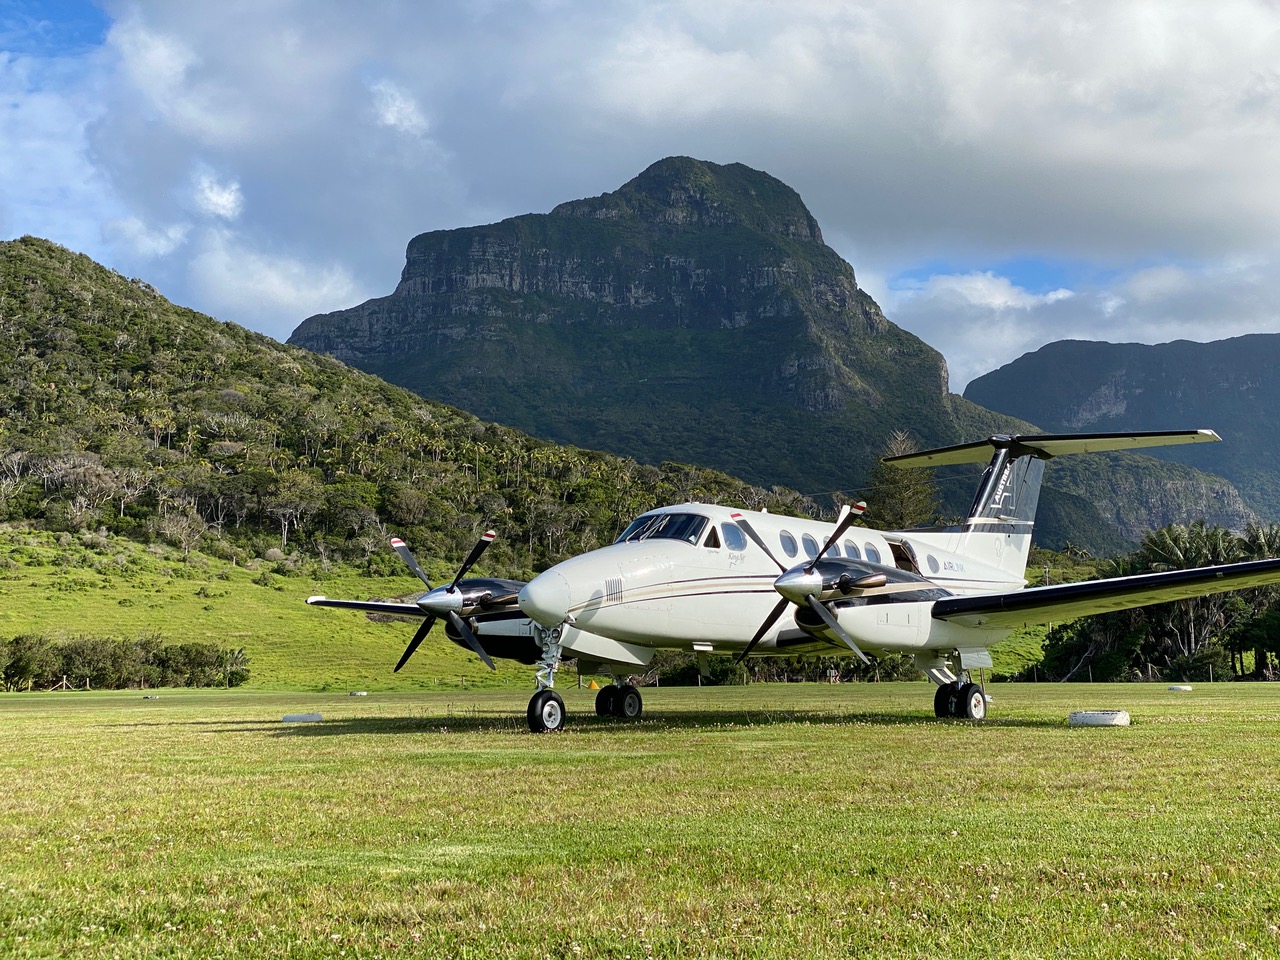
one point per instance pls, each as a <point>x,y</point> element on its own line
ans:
<point>960,700</point>
<point>619,701</point>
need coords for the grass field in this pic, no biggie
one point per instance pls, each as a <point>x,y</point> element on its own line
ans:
<point>765,821</point>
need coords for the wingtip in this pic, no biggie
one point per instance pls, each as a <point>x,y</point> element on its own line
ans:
<point>316,599</point>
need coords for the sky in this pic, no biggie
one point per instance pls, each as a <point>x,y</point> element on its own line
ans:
<point>999,174</point>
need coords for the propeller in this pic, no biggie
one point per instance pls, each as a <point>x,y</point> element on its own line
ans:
<point>798,584</point>
<point>443,601</point>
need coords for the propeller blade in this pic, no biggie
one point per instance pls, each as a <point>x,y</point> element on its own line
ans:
<point>848,514</point>
<point>423,630</point>
<point>764,628</point>
<point>401,548</point>
<point>472,640</point>
<point>741,521</point>
<point>481,545</point>
<point>834,624</point>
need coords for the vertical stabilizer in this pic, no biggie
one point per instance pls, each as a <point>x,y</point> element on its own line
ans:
<point>998,528</point>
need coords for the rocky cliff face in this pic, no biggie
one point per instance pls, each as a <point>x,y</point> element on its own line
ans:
<point>693,314</point>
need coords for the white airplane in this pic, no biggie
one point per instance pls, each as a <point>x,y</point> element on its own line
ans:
<point>716,580</point>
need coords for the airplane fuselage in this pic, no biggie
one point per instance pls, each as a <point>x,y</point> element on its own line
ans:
<point>697,583</point>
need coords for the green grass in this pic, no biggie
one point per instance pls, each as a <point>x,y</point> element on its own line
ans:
<point>114,587</point>
<point>765,821</point>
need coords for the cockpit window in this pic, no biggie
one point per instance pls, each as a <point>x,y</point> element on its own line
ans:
<point>665,526</point>
<point>713,540</point>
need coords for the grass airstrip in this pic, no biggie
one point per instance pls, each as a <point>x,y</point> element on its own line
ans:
<point>759,821</point>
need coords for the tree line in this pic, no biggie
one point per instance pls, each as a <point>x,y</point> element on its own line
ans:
<point>37,662</point>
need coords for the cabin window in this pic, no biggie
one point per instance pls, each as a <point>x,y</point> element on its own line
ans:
<point>788,544</point>
<point>851,550</point>
<point>713,540</point>
<point>932,561</point>
<point>871,553</point>
<point>734,538</point>
<point>810,545</point>
<point>665,526</point>
<point>833,550</point>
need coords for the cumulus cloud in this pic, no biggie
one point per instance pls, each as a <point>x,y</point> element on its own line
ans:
<point>218,198</point>
<point>981,322</point>
<point>262,290</point>
<point>397,109</point>
<point>1136,141</point>
<point>148,242</point>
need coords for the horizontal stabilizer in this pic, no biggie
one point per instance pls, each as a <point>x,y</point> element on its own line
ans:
<point>372,606</point>
<point>1065,601</point>
<point>1046,446</point>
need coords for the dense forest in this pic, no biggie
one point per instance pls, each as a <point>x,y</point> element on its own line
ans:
<point>121,411</point>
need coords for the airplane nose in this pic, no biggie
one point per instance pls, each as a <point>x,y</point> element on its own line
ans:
<point>546,599</point>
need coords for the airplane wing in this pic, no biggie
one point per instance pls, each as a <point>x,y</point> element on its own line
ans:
<point>1062,602</point>
<point>373,606</point>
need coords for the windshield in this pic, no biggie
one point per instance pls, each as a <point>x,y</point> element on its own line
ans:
<point>665,526</point>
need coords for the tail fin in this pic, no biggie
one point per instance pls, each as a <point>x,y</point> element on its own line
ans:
<point>1007,496</point>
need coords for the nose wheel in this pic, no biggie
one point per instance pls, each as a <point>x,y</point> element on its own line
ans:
<point>546,712</point>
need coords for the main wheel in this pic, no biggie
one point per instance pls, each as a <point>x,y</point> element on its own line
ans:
<point>946,700</point>
<point>942,700</point>
<point>629,704</point>
<point>973,702</point>
<point>606,701</point>
<point>546,712</point>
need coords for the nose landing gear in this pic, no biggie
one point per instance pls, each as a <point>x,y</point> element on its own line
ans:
<point>546,708</point>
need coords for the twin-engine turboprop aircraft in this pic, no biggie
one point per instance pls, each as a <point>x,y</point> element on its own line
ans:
<point>715,580</point>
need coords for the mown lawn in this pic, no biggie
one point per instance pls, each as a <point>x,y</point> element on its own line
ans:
<point>766,821</point>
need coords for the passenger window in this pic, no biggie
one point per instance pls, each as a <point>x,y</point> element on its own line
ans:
<point>834,550</point>
<point>851,550</point>
<point>788,544</point>
<point>810,546</point>
<point>734,538</point>
<point>872,553</point>
<point>713,540</point>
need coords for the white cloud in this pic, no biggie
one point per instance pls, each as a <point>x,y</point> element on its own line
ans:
<point>146,241</point>
<point>1136,139</point>
<point>980,322</point>
<point>216,198</point>
<point>265,291</point>
<point>397,109</point>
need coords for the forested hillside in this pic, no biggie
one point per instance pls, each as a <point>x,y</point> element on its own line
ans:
<point>121,411</point>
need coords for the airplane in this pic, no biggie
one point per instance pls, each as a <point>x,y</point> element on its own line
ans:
<point>711,579</point>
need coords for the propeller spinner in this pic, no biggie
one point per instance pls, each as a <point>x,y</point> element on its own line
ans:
<point>444,601</point>
<point>803,584</point>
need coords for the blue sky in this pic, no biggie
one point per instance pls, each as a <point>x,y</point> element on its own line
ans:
<point>999,174</point>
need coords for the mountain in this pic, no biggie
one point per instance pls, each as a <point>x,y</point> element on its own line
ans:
<point>123,413</point>
<point>696,314</point>
<point>693,314</point>
<point>1227,385</point>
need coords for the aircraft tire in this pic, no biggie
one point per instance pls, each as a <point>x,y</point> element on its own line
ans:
<point>606,701</point>
<point>546,712</point>
<point>948,701</point>
<point>942,701</point>
<point>629,703</point>
<point>972,702</point>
